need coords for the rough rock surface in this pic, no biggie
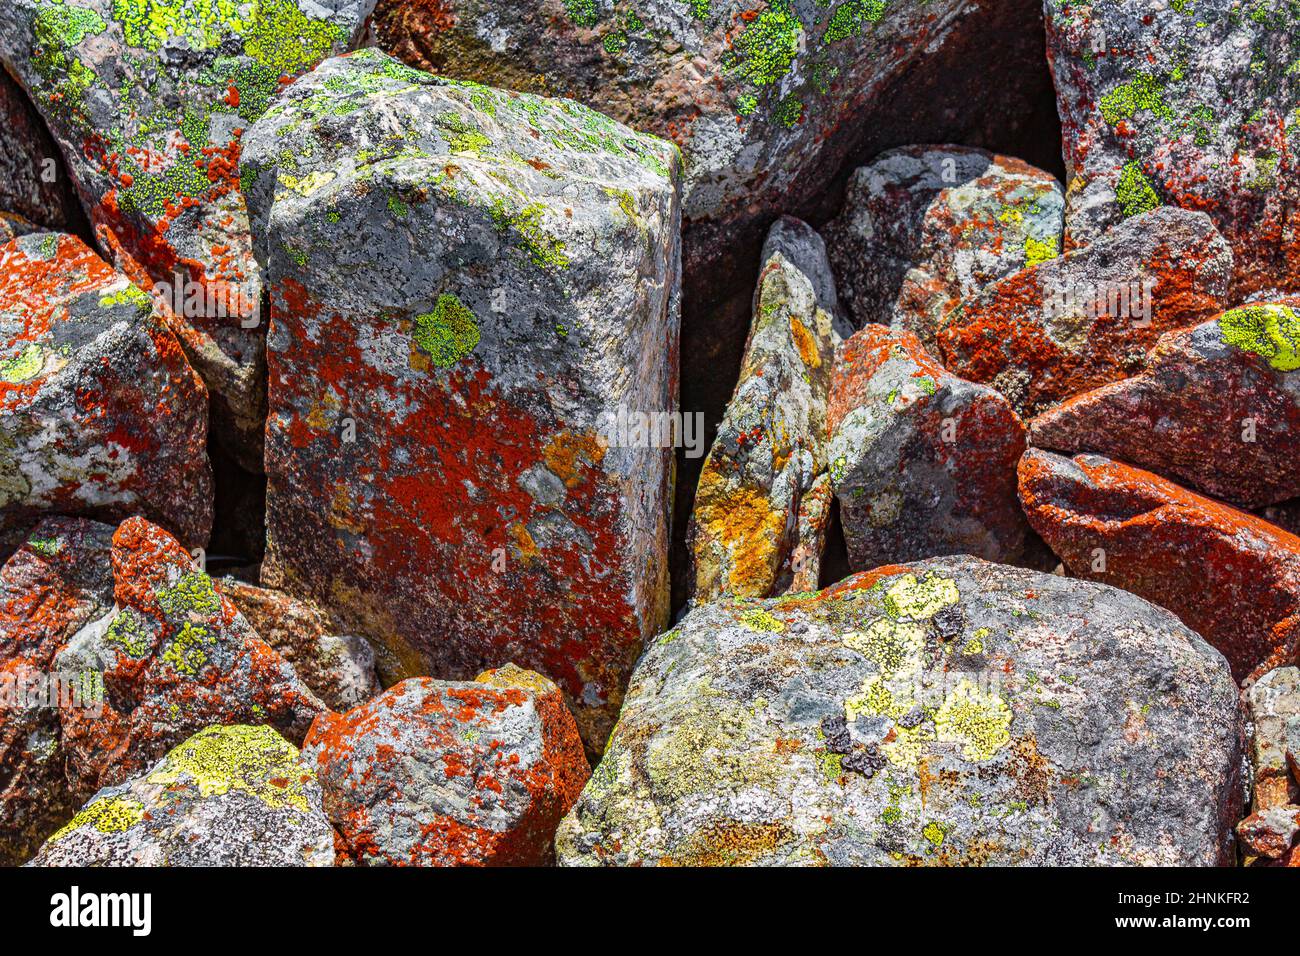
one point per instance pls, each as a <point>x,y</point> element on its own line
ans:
<point>433,773</point>
<point>148,100</point>
<point>30,166</point>
<point>945,712</point>
<point>771,444</point>
<point>1187,104</point>
<point>1270,833</point>
<point>1217,408</point>
<point>100,414</point>
<point>474,300</point>
<point>13,225</point>
<point>923,463</point>
<point>924,227</point>
<point>1229,576</point>
<point>1273,705</point>
<point>1088,318</point>
<point>339,668</point>
<point>764,98</point>
<point>55,583</point>
<point>228,796</point>
<point>176,657</point>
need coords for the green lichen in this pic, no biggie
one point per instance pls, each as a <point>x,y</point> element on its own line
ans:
<point>191,593</point>
<point>129,631</point>
<point>851,17</point>
<point>769,44</point>
<point>186,652</point>
<point>129,295</point>
<point>24,366</point>
<point>1041,250</point>
<point>980,723</point>
<point>1135,193</point>
<point>526,223</point>
<point>462,137</point>
<point>239,758</point>
<point>934,832</point>
<point>759,620</point>
<point>1143,92</point>
<point>1269,331</point>
<point>113,814</point>
<point>920,600</point>
<point>46,547</point>
<point>582,12</point>
<point>447,334</point>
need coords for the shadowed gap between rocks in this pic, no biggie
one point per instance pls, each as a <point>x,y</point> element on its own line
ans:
<point>929,103</point>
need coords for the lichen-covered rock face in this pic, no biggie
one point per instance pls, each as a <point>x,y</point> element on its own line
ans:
<point>770,447</point>
<point>474,302</point>
<point>100,414</point>
<point>433,773</point>
<point>1087,318</point>
<point>176,657</point>
<point>924,227</point>
<point>1217,407</point>
<point>55,583</point>
<point>764,98</point>
<point>1270,833</point>
<point>229,796</point>
<point>339,668</point>
<point>923,463</point>
<point>148,100</point>
<point>1230,576</point>
<point>1186,104</point>
<point>30,167</point>
<point>1273,706</point>
<point>945,712</point>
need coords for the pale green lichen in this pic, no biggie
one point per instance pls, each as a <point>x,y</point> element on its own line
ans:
<point>191,593</point>
<point>24,366</point>
<point>129,631</point>
<point>1269,331</point>
<point>922,599</point>
<point>186,652</point>
<point>239,758</point>
<point>759,620</point>
<point>851,16</point>
<point>980,723</point>
<point>447,334</point>
<point>1135,194</point>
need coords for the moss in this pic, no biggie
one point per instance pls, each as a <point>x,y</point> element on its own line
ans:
<point>253,760</point>
<point>769,44</point>
<point>1269,331</point>
<point>113,814</point>
<point>447,334</point>
<point>1135,193</point>
<point>24,366</point>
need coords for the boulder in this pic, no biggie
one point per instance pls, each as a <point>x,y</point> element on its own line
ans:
<point>473,372</point>
<point>923,463</point>
<point>1184,104</point>
<point>339,668</point>
<point>148,102</point>
<point>1230,576</point>
<point>33,181</point>
<point>1273,706</point>
<point>1270,833</point>
<point>1089,317</point>
<point>228,796</point>
<point>13,225</point>
<point>949,711</point>
<point>57,581</point>
<point>1217,408</point>
<point>435,773</point>
<point>924,227</point>
<point>100,414</point>
<point>771,444</point>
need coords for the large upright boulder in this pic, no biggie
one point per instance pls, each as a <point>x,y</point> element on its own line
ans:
<point>923,463</point>
<point>1231,576</point>
<point>148,101</point>
<point>923,227</point>
<point>473,360</point>
<point>765,98</point>
<point>1087,318</point>
<point>1187,104</point>
<point>100,414</point>
<point>771,444</point>
<point>33,181</point>
<point>229,796</point>
<point>1217,407</point>
<point>944,712</point>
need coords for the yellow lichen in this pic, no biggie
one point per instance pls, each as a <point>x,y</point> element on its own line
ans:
<point>979,722</point>
<point>115,814</point>
<point>255,760</point>
<point>920,600</point>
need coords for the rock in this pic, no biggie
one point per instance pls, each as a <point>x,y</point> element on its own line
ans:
<point>771,444</point>
<point>924,227</point>
<point>949,711</point>
<point>176,657</point>
<point>228,796</point>
<point>148,102</point>
<point>1273,706</point>
<point>33,181</point>
<point>1270,833</point>
<point>455,468</point>
<point>923,463</point>
<point>1229,576</point>
<point>55,583</point>
<point>1088,318</point>
<point>1217,407</point>
<point>765,99</point>
<point>100,415</point>
<point>1192,105</point>
<point>13,225</point>
<point>805,250</point>
<point>433,773</point>
<point>340,669</point>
